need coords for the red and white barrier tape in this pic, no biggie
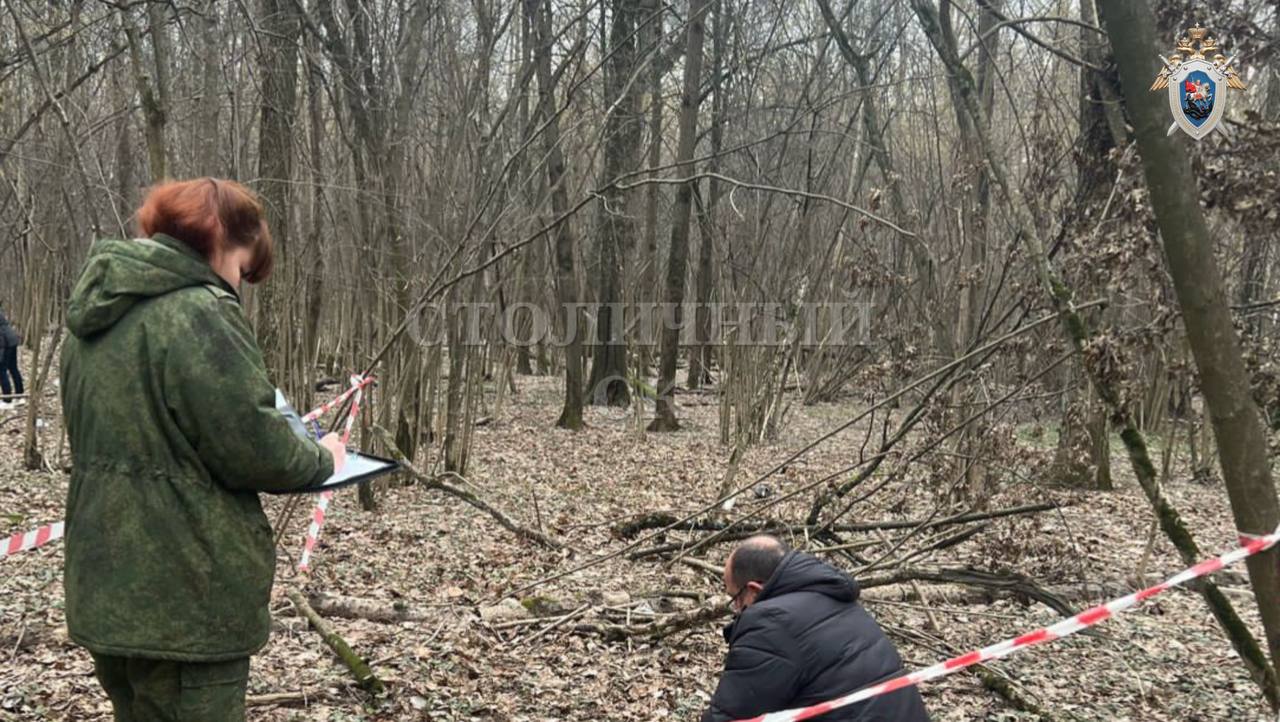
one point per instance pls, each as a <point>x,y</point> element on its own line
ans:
<point>1250,545</point>
<point>322,504</point>
<point>22,541</point>
<point>313,531</point>
<point>357,383</point>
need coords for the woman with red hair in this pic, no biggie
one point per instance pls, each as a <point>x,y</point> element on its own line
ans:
<point>174,432</point>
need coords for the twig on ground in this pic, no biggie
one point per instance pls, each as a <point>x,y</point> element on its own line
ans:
<point>554,625</point>
<point>283,699</point>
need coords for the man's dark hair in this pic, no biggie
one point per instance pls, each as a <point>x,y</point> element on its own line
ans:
<point>756,560</point>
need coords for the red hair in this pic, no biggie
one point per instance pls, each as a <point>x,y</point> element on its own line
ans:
<point>210,215</point>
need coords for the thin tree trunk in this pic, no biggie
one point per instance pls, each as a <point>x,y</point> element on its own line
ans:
<point>566,279</point>
<point>1083,456</point>
<point>126,184</point>
<point>648,291</point>
<point>617,231</point>
<point>152,110</point>
<point>208,156</point>
<point>279,59</point>
<point>162,58</point>
<point>678,256</point>
<point>1224,381</point>
<point>455,455</point>
<point>38,374</point>
<point>1272,109</point>
<point>700,356</point>
<point>315,272</point>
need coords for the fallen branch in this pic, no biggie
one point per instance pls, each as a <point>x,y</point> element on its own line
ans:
<point>364,676</point>
<point>284,699</point>
<point>554,625</point>
<point>330,605</point>
<point>723,538</point>
<point>726,537</point>
<point>655,521</point>
<point>936,543</point>
<point>1010,584</point>
<point>702,566</point>
<point>438,482</point>
<point>664,627</point>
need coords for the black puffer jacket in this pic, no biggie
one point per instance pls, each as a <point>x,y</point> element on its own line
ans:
<point>8,334</point>
<point>806,640</point>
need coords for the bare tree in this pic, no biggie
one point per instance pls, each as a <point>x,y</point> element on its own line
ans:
<point>678,255</point>
<point>616,229</point>
<point>566,280</point>
<point>278,45</point>
<point>1237,425</point>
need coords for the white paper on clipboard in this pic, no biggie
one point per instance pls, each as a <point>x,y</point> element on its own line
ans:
<point>358,467</point>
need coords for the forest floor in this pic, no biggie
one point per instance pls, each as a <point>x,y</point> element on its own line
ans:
<point>445,560</point>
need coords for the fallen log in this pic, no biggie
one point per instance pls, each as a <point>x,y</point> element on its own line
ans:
<point>364,676</point>
<point>332,605</point>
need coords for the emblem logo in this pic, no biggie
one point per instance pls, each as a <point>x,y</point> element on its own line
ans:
<point>1197,77</point>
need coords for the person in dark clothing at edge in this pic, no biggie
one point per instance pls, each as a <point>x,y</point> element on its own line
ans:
<point>174,431</point>
<point>801,638</point>
<point>10,376</point>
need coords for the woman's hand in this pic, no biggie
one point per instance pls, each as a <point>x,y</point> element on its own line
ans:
<point>333,443</point>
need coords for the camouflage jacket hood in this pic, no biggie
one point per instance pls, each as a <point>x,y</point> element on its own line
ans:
<point>119,274</point>
<point>173,429</point>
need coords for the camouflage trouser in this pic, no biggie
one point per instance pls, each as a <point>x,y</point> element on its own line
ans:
<point>157,690</point>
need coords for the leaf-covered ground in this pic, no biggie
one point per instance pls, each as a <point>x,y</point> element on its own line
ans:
<point>444,560</point>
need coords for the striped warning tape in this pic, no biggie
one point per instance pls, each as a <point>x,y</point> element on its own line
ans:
<point>357,383</point>
<point>1249,545</point>
<point>322,504</point>
<point>22,541</point>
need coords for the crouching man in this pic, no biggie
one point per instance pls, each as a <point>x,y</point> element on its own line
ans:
<point>800,638</point>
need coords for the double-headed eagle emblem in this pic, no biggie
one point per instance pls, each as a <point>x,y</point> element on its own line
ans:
<point>1193,75</point>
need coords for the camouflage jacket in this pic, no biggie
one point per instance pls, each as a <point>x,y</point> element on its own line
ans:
<point>173,431</point>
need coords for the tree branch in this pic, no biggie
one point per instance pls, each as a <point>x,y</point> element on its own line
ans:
<point>438,482</point>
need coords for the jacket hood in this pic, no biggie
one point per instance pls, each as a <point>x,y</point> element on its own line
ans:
<point>800,572</point>
<point>122,273</point>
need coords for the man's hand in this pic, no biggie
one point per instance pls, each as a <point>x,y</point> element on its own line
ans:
<point>333,443</point>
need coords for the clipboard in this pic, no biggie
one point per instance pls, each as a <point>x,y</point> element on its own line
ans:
<point>360,467</point>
